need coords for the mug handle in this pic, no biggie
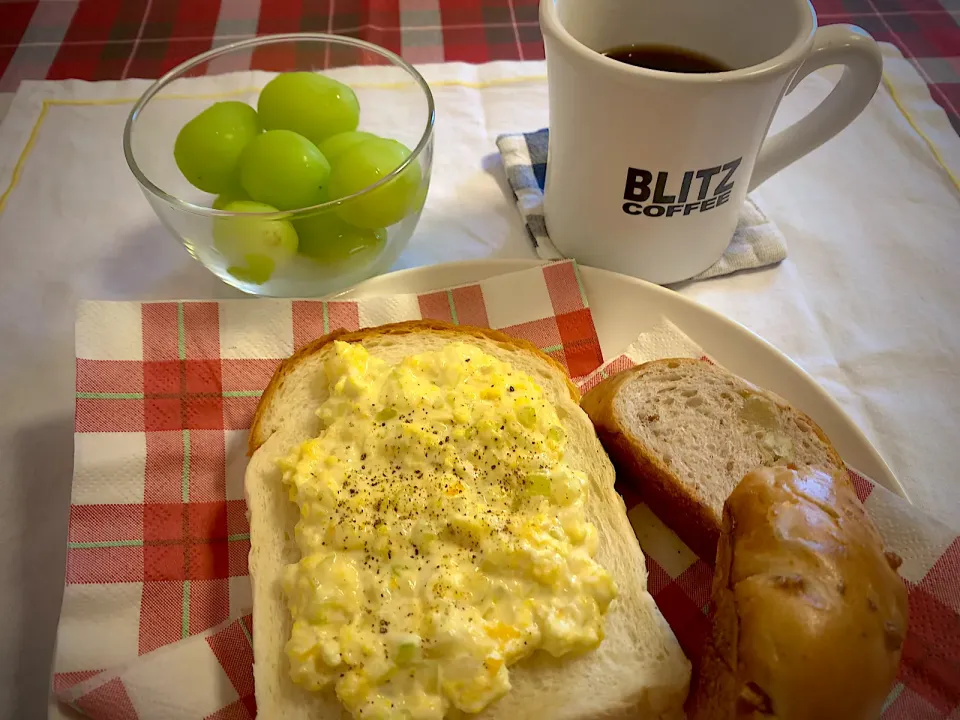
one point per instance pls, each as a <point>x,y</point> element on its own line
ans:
<point>845,45</point>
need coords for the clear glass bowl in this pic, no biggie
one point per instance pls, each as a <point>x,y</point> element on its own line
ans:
<point>387,108</point>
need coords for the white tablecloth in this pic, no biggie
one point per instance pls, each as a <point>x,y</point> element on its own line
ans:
<point>868,301</point>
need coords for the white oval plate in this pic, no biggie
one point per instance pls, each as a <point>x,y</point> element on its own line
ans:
<point>623,307</point>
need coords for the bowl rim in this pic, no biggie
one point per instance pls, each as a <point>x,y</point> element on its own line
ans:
<point>183,67</point>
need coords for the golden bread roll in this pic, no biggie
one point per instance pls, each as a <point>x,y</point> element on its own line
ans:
<point>809,613</point>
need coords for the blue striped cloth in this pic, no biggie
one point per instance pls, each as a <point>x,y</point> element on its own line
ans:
<point>756,242</point>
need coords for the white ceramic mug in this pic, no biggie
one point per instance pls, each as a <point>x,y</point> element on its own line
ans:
<point>647,170</point>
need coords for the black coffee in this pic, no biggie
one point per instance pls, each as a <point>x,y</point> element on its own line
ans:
<point>666,58</point>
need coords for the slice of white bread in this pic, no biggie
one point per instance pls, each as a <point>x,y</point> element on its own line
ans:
<point>639,670</point>
<point>685,432</point>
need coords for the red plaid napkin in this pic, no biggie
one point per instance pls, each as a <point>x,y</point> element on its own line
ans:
<point>155,619</point>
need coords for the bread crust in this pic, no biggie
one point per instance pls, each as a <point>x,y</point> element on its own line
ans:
<point>809,613</point>
<point>258,432</point>
<point>659,487</point>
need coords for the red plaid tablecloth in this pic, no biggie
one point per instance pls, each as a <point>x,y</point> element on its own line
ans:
<point>118,39</point>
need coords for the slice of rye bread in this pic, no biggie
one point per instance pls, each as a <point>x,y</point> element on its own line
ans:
<point>685,432</point>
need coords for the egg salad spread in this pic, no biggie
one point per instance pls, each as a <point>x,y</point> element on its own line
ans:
<point>443,538</point>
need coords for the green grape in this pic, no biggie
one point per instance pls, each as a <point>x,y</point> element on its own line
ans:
<point>284,169</point>
<point>336,145</point>
<point>254,247</point>
<point>208,148</point>
<point>361,166</point>
<point>256,270</point>
<point>328,239</point>
<point>419,199</point>
<point>310,104</point>
<point>221,201</point>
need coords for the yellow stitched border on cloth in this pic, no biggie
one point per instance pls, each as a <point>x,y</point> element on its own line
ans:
<point>31,141</point>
